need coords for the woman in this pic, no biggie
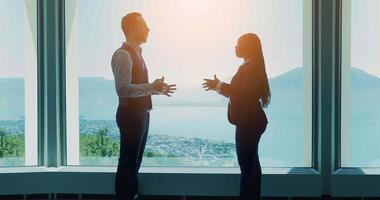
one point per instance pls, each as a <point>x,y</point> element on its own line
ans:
<point>248,93</point>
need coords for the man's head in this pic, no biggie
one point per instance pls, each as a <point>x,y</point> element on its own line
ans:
<point>135,28</point>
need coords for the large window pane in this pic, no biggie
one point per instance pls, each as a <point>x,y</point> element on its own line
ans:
<point>189,40</point>
<point>361,84</point>
<point>18,94</point>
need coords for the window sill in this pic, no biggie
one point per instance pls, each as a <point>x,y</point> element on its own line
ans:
<point>157,181</point>
<point>361,180</point>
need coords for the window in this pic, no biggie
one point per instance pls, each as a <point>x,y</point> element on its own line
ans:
<point>361,85</point>
<point>18,85</point>
<point>189,40</point>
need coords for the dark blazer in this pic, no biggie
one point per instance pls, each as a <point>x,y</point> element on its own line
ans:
<point>244,92</point>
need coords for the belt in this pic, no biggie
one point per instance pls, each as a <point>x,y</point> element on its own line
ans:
<point>125,103</point>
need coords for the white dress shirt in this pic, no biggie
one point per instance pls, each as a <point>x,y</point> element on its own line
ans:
<point>122,70</point>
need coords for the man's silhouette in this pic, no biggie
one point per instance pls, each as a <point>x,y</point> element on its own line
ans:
<point>134,92</point>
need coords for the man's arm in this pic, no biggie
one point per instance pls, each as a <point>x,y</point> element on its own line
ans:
<point>122,69</point>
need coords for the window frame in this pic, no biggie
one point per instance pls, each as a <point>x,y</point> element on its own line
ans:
<point>364,179</point>
<point>30,90</point>
<point>324,177</point>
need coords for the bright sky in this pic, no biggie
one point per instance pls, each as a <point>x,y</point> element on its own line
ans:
<point>11,38</point>
<point>190,40</point>
<point>365,32</point>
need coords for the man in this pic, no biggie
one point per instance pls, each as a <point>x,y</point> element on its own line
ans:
<point>134,91</point>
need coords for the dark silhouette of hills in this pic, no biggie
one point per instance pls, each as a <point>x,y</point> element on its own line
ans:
<point>97,96</point>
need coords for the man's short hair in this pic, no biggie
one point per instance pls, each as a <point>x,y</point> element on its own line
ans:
<point>129,20</point>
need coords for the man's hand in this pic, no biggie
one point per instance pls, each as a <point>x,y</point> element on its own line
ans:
<point>168,89</point>
<point>158,84</point>
<point>163,88</point>
<point>210,84</point>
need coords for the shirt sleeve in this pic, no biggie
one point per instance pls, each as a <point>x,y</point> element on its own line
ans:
<point>219,87</point>
<point>122,70</point>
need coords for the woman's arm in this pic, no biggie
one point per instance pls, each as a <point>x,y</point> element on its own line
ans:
<point>224,94</point>
<point>250,84</point>
<point>218,87</point>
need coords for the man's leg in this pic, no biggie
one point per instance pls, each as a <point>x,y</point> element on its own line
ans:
<point>143,141</point>
<point>141,149</point>
<point>126,166</point>
<point>130,136</point>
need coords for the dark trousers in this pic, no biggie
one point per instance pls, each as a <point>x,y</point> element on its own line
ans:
<point>247,142</point>
<point>133,128</point>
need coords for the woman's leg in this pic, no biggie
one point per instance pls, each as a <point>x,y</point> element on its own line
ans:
<point>247,141</point>
<point>256,192</point>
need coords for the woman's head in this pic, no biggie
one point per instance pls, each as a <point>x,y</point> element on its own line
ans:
<point>249,47</point>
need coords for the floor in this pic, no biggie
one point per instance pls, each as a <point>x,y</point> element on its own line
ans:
<point>111,197</point>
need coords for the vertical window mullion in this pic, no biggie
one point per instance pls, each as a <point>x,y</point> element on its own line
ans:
<point>62,62</point>
<point>326,82</point>
<point>51,80</point>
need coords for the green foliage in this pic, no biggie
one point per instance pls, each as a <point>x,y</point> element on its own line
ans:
<point>11,145</point>
<point>99,144</point>
<point>151,154</point>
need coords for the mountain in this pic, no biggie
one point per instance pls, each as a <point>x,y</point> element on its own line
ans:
<point>98,99</point>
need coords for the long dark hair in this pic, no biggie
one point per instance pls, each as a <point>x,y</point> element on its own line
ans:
<point>252,44</point>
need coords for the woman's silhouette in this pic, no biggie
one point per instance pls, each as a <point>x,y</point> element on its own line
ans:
<point>248,93</point>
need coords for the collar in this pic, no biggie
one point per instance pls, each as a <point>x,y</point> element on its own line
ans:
<point>248,60</point>
<point>134,47</point>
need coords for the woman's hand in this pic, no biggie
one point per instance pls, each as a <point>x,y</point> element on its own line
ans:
<point>210,84</point>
